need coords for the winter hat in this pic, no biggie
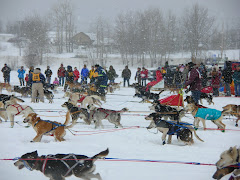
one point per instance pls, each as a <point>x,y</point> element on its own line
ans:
<point>191,64</point>
<point>159,68</point>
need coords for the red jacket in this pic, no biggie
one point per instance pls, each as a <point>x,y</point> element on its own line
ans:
<point>159,76</point>
<point>215,80</point>
<point>76,74</point>
<point>144,74</point>
<point>194,80</point>
<point>61,72</point>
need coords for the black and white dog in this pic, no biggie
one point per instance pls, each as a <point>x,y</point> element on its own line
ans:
<point>207,97</point>
<point>181,129</point>
<point>147,95</point>
<point>59,166</point>
<point>167,111</point>
<point>77,112</point>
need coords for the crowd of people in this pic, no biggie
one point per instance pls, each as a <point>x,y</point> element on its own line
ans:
<point>193,75</point>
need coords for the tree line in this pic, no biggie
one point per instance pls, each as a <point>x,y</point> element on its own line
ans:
<point>136,35</point>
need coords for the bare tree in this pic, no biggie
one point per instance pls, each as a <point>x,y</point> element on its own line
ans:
<point>197,28</point>
<point>35,31</point>
<point>63,24</point>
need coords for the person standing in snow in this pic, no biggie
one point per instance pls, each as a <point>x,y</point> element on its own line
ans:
<point>177,78</point>
<point>76,75</point>
<point>101,79</point>
<point>227,77</point>
<point>21,73</point>
<point>138,76</point>
<point>236,79</point>
<point>144,76</point>
<point>37,81</point>
<point>126,75</point>
<point>69,77</point>
<point>194,80</point>
<point>215,82</point>
<point>61,75</point>
<point>48,73</point>
<point>6,73</point>
<point>84,74</point>
<point>111,74</point>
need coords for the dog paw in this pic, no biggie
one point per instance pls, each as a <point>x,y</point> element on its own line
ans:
<point>196,128</point>
<point>223,130</point>
<point>31,141</point>
<point>163,142</point>
<point>236,125</point>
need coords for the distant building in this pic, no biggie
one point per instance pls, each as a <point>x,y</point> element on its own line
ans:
<point>6,37</point>
<point>82,39</point>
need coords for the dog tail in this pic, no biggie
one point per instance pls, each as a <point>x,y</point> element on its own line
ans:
<point>197,135</point>
<point>100,155</point>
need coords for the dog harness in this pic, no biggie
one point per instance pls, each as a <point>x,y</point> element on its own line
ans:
<point>208,114</point>
<point>81,98</point>
<point>53,123</point>
<point>18,107</point>
<point>173,127</point>
<point>78,162</point>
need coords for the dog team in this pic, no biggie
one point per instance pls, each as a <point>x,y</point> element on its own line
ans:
<point>91,111</point>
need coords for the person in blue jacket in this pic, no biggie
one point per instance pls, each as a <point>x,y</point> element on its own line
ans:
<point>37,80</point>
<point>84,74</point>
<point>102,79</point>
<point>21,73</point>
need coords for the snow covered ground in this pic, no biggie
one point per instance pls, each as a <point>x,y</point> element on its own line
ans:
<point>129,143</point>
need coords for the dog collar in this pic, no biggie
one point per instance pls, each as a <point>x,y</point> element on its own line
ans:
<point>37,122</point>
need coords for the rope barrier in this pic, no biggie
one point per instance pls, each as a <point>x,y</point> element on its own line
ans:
<point>125,160</point>
<point>103,131</point>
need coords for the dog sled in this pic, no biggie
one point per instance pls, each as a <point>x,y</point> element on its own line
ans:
<point>158,86</point>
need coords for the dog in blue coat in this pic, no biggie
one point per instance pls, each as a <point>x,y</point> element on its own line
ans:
<point>203,114</point>
<point>183,130</point>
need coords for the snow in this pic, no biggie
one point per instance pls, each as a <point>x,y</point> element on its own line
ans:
<point>129,143</point>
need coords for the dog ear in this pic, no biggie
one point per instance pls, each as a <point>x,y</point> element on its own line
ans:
<point>35,154</point>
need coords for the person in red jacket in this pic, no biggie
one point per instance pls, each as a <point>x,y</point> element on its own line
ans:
<point>215,82</point>
<point>144,76</point>
<point>194,80</point>
<point>158,78</point>
<point>76,75</point>
<point>61,75</point>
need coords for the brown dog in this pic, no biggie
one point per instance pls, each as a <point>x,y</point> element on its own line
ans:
<point>43,127</point>
<point>234,110</point>
<point>7,86</point>
<point>222,172</point>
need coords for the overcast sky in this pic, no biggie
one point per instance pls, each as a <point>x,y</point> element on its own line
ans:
<point>87,10</point>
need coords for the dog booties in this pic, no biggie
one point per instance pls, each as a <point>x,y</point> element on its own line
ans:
<point>208,114</point>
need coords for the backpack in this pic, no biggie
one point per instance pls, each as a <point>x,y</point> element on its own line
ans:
<point>36,76</point>
<point>70,74</point>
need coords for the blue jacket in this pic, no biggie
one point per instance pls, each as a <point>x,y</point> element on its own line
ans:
<point>84,72</point>
<point>42,77</point>
<point>21,73</point>
<point>102,75</point>
<point>208,114</point>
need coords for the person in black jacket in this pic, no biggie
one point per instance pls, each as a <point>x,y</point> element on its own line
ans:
<point>48,73</point>
<point>227,77</point>
<point>69,77</point>
<point>6,73</point>
<point>178,79</point>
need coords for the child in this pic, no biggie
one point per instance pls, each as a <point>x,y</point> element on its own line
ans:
<point>27,80</point>
<point>56,82</point>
